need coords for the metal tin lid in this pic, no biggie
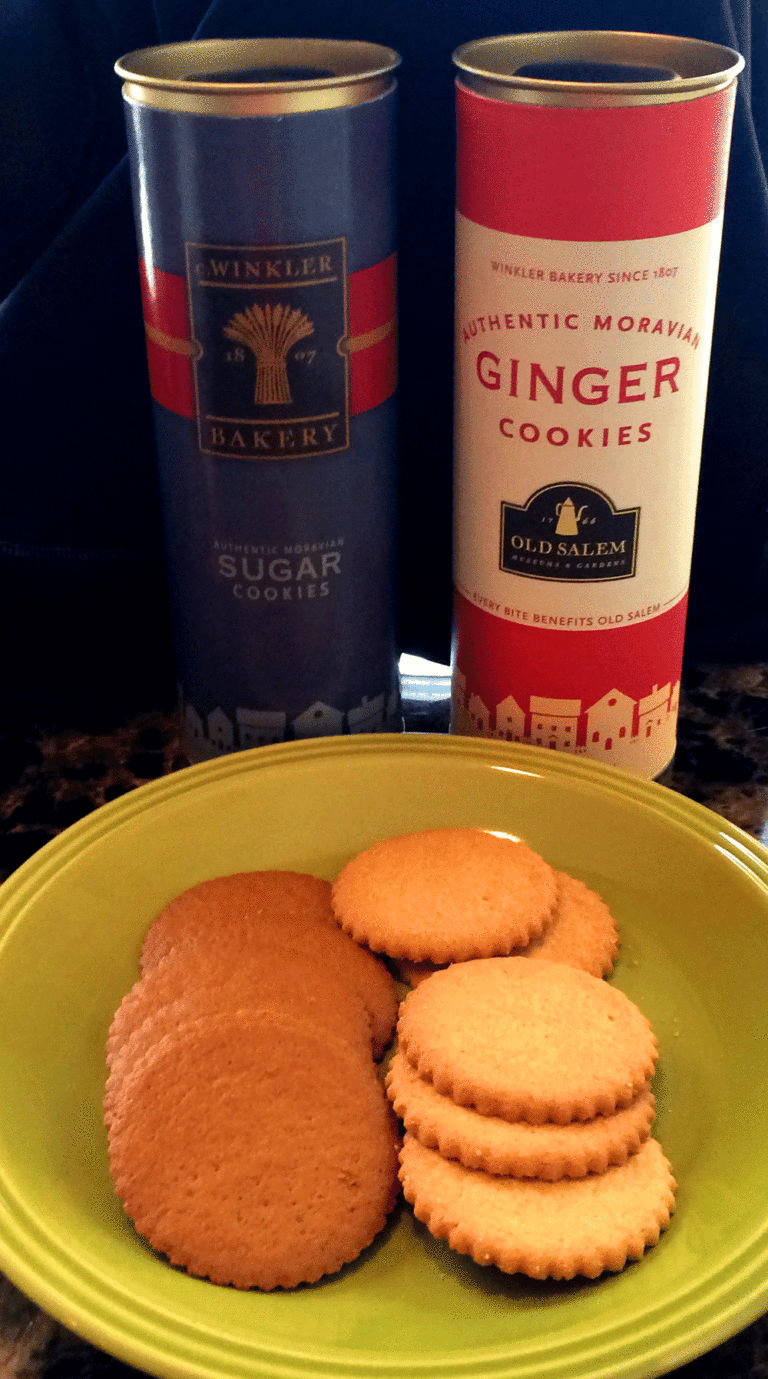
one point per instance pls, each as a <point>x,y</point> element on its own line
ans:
<point>257,76</point>
<point>595,68</point>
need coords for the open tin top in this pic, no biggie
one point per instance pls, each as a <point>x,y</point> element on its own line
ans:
<point>595,68</point>
<point>257,76</point>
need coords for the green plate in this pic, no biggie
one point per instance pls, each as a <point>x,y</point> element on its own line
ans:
<point>690,895</point>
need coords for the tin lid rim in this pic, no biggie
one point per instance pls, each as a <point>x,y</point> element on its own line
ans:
<point>725,66</point>
<point>136,68</point>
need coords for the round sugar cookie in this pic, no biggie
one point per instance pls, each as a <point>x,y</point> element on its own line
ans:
<point>526,1040</point>
<point>226,918</point>
<point>445,895</point>
<point>254,1151</point>
<point>515,1148</point>
<point>178,990</point>
<point>545,1230</point>
<point>248,904</point>
<point>191,984</point>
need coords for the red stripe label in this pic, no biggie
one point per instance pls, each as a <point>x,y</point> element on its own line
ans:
<point>612,694</point>
<point>373,296</point>
<point>373,334</point>
<point>580,174</point>
<point>169,349</point>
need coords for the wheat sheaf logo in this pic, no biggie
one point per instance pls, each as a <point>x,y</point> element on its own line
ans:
<point>270,332</point>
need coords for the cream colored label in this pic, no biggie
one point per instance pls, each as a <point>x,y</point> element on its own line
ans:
<point>581,378</point>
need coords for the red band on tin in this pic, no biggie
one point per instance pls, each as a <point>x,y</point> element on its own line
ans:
<point>628,676</point>
<point>169,348</point>
<point>372,341</point>
<point>632,172</point>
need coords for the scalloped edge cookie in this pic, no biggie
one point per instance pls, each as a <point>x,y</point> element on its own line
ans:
<point>558,1230</point>
<point>253,1150</point>
<point>515,1148</point>
<point>445,895</point>
<point>566,1045</point>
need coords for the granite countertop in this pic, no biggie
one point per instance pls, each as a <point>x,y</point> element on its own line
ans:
<point>53,773</point>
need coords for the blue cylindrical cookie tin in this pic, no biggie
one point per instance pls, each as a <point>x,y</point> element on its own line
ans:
<point>263,174</point>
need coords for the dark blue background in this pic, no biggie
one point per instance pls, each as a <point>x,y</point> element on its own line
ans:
<point>80,538</point>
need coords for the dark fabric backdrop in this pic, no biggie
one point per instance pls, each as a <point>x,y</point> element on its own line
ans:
<point>82,589</point>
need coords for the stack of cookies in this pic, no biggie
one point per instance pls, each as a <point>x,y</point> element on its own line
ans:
<point>523,1086</point>
<point>524,1089</point>
<point>250,1139</point>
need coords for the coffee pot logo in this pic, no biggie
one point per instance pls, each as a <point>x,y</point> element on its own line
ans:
<point>572,532</point>
<point>568,517</point>
<point>270,332</point>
